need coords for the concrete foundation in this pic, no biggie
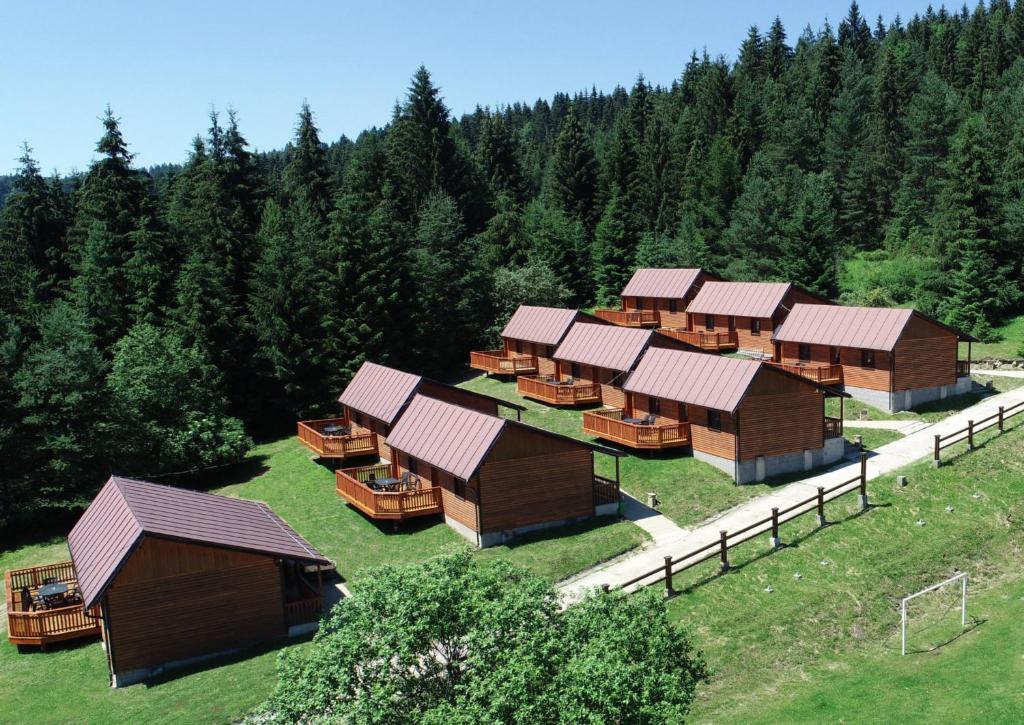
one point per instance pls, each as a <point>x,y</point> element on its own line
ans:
<point>496,538</point>
<point>132,677</point>
<point>908,399</point>
<point>758,469</point>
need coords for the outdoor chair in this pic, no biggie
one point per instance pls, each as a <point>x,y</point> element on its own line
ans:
<point>649,420</point>
<point>26,600</point>
<point>569,380</point>
<point>50,580</point>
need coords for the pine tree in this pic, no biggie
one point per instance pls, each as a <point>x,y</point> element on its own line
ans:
<point>574,172</point>
<point>499,160</point>
<point>810,253</point>
<point>560,243</point>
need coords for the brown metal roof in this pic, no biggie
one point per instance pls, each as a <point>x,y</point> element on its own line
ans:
<point>745,299</point>
<point>125,511</point>
<point>711,381</point>
<point>379,391</point>
<point>614,348</point>
<point>450,437</point>
<point>873,328</point>
<point>542,325</point>
<point>663,283</point>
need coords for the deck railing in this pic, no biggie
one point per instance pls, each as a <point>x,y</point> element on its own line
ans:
<point>824,374</point>
<point>544,389</point>
<point>608,424</point>
<point>302,611</point>
<point>360,442</point>
<point>631,318</point>
<point>605,490</point>
<point>833,427</point>
<point>704,339</point>
<point>351,485</point>
<point>963,368</point>
<point>43,626</point>
<point>503,363</point>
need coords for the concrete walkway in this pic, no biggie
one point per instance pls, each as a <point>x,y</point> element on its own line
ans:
<point>903,427</point>
<point>1000,373</point>
<point>673,540</point>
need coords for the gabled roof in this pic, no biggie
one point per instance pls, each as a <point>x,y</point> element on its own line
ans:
<point>542,325</point>
<point>450,437</point>
<point>710,381</point>
<point>125,511</point>
<point>744,299</point>
<point>614,348</point>
<point>871,328</point>
<point>663,283</point>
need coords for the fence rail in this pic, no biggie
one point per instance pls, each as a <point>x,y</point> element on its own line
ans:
<point>967,433</point>
<point>704,339</point>
<point>730,539</point>
<point>608,424</point>
<point>498,361</point>
<point>605,490</point>
<point>963,368</point>
<point>833,427</point>
<point>630,318</point>
<point>302,611</point>
<point>547,391</point>
<point>824,374</point>
<point>358,442</point>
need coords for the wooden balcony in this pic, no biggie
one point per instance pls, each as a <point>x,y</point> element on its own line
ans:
<point>324,438</point>
<point>605,491</point>
<point>963,368</point>
<point>500,362</point>
<point>833,427</point>
<point>32,623</point>
<point>819,373</point>
<point>354,485</point>
<point>631,318</point>
<point>546,390</point>
<point>704,339</point>
<point>609,424</point>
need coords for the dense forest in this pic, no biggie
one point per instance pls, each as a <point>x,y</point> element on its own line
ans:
<point>155,321</point>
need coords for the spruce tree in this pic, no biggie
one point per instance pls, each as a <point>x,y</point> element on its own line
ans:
<point>574,172</point>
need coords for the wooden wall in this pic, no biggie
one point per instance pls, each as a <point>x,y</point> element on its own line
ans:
<point>637,406</point>
<point>854,374</point>
<point>925,356</point>
<point>379,427</point>
<point>545,364</point>
<point>458,396</point>
<point>780,414</point>
<point>718,443</point>
<point>662,305</point>
<point>173,601</point>
<point>462,509</point>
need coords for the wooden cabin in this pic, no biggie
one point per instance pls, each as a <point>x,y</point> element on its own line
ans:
<point>592,363</point>
<point>528,341</point>
<point>893,359</point>
<point>657,298</point>
<point>742,315</point>
<point>490,477</point>
<point>177,576</point>
<point>746,417</point>
<point>372,403</point>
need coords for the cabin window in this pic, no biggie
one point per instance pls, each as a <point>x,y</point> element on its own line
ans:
<point>654,406</point>
<point>435,477</point>
<point>412,466</point>
<point>804,351</point>
<point>714,420</point>
<point>574,370</point>
<point>519,346</point>
<point>755,326</point>
<point>709,322</point>
<point>867,358</point>
<point>833,355</point>
<point>673,306</point>
<point>460,488</point>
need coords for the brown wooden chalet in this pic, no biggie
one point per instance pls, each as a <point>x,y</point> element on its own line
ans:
<point>528,341</point>
<point>741,315</point>
<point>372,403</point>
<point>491,477</point>
<point>168,576</point>
<point>746,417</point>
<point>657,298</point>
<point>592,363</point>
<point>894,359</point>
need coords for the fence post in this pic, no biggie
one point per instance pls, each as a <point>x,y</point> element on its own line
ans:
<point>669,590</point>
<point>821,506</point>
<point>1000,419</point>
<point>936,461</point>
<point>724,544</point>
<point>863,480</point>
<point>776,543</point>
<point>970,434</point>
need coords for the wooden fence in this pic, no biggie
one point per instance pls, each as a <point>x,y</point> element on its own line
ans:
<point>771,523</point>
<point>998,419</point>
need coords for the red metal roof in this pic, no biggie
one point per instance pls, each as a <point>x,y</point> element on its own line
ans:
<point>614,348</point>
<point>744,299</point>
<point>663,283</point>
<point>125,511</point>
<point>872,328</point>
<point>711,381</point>
<point>450,437</point>
<point>379,391</point>
<point>542,325</point>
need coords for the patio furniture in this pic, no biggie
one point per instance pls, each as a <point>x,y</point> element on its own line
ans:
<point>388,484</point>
<point>634,421</point>
<point>568,381</point>
<point>340,430</point>
<point>649,419</point>
<point>53,589</point>
<point>410,481</point>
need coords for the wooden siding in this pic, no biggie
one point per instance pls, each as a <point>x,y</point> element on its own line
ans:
<point>854,375</point>
<point>640,405</point>
<point>662,306</point>
<point>780,415</point>
<point>173,601</point>
<point>745,339</point>
<point>719,443</point>
<point>458,396</point>
<point>925,356</point>
<point>543,353</point>
<point>461,509</point>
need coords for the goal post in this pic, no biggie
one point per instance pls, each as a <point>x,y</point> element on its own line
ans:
<point>961,577</point>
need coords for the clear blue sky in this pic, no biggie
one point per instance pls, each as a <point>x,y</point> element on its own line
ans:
<point>163,65</point>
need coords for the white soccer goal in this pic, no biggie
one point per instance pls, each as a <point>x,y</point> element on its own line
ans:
<point>961,577</point>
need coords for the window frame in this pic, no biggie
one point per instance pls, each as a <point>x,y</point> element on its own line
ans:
<point>867,359</point>
<point>459,487</point>
<point>412,466</point>
<point>673,306</point>
<point>803,351</point>
<point>653,405</point>
<point>755,326</point>
<point>709,322</point>
<point>714,420</point>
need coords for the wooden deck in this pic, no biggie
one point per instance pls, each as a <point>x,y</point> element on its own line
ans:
<point>359,442</point>
<point>608,424</point>
<point>632,318</point>
<point>833,427</point>
<point>546,390</point>
<point>963,368</point>
<point>29,626</point>
<point>704,339</point>
<point>394,505</point>
<point>500,362</point>
<point>819,373</point>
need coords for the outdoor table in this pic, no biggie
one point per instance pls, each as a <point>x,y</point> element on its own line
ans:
<point>634,421</point>
<point>388,482</point>
<point>53,590</point>
<point>335,430</point>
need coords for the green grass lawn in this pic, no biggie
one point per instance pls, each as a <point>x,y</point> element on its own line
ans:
<point>873,438</point>
<point>1009,346</point>
<point>824,646</point>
